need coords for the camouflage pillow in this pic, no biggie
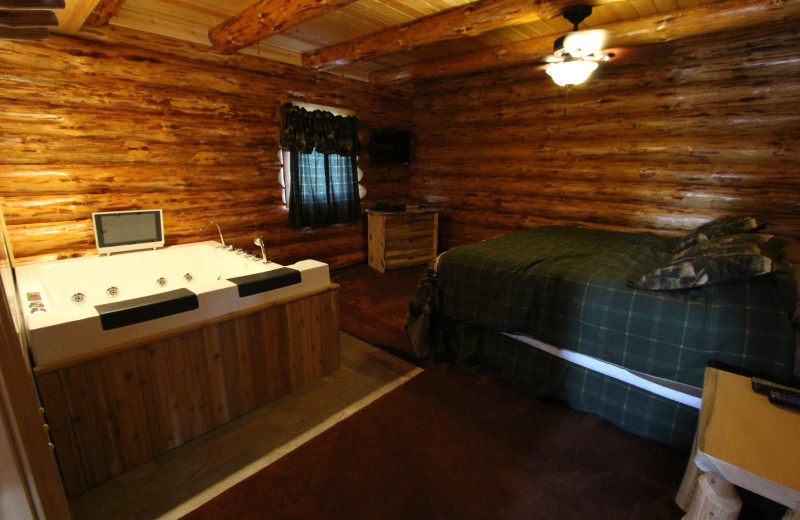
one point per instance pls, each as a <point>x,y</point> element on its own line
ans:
<point>721,260</point>
<point>719,228</point>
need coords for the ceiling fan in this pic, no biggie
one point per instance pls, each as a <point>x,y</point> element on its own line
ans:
<point>577,53</point>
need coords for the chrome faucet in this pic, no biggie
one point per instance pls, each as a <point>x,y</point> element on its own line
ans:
<point>218,229</point>
<point>260,242</point>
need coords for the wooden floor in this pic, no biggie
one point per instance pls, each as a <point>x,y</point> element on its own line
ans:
<point>372,305</point>
<point>185,477</point>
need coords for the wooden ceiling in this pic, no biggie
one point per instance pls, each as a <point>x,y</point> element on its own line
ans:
<point>395,41</point>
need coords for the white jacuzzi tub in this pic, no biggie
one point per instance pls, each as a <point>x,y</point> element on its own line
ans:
<point>78,307</point>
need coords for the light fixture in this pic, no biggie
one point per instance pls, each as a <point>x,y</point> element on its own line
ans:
<point>575,54</point>
<point>570,71</point>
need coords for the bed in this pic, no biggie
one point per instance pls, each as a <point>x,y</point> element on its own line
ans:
<point>618,324</point>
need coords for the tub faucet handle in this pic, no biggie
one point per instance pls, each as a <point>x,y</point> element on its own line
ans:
<point>221,239</point>
<point>260,242</point>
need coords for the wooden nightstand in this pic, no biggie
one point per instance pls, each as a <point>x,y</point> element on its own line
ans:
<point>401,238</point>
<point>743,440</point>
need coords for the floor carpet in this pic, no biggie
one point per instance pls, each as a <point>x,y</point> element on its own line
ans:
<point>450,444</point>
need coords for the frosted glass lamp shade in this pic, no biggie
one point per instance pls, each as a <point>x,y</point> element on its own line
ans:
<point>572,72</point>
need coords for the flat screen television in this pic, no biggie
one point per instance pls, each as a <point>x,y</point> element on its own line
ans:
<point>390,146</point>
<point>128,230</point>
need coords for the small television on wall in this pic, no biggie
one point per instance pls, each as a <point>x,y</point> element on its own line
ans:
<point>390,147</point>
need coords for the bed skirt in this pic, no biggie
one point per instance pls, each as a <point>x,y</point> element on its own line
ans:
<point>634,409</point>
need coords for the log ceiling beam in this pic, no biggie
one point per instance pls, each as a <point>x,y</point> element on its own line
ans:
<point>466,20</point>
<point>103,12</point>
<point>31,34</point>
<point>267,18</point>
<point>37,18</point>
<point>660,28</point>
<point>74,16</point>
<point>32,4</point>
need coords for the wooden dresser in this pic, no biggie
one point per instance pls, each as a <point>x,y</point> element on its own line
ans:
<point>402,238</point>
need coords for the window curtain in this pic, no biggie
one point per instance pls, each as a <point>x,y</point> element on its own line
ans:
<point>323,170</point>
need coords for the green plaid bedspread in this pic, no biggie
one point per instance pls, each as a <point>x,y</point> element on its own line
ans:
<point>568,287</point>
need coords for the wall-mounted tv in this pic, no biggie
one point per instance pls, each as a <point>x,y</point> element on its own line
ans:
<point>390,146</point>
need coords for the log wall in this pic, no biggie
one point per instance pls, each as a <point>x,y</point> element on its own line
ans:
<point>672,137</point>
<point>113,121</point>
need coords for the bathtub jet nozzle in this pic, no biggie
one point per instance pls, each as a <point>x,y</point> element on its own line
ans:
<point>260,242</point>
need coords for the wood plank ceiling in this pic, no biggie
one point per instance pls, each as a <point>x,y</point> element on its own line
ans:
<point>395,41</point>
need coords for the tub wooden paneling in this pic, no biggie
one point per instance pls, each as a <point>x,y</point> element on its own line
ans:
<point>112,412</point>
<point>111,122</point>
<point>702,128</point>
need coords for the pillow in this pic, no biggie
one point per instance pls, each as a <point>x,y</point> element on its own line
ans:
<point>721,260</point>
<point>719,228</point>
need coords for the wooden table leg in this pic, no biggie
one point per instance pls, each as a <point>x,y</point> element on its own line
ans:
<point>688,485</point>
<point>714,498</point>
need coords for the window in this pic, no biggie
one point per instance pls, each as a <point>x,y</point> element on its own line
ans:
<point>285,177</point>
<point>320,172</point>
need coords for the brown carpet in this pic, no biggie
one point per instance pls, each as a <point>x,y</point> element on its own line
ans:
<point>450,444</point>
<point>372,305</point>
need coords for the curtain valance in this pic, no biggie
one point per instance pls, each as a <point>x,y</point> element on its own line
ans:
<point>304,131</point>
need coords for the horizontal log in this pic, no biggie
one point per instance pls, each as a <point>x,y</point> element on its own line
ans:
<point>66,178</point>
<point>77,90</point>
<point>766,176</point>
<point>522,195</point>
<point>731,126</point>
<point>711,149</point>
<point>698,100</point>
<point>50,208</point>
<point>21,119</point>
<point>49,149</point>
<point>240,226</point>
<point>623,217</point>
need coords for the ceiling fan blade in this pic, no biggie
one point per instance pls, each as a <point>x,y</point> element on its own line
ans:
<point>649,53</point>
<point>33,34</point>
<point>31,4</point>
<point>28,19</point>
<point>584,43</point>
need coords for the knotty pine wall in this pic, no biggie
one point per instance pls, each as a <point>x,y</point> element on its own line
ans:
<point>119,120</point>
<point>681,134</point>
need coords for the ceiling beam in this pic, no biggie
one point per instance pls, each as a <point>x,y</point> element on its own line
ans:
<point>30,34</point>
<point>32,4</point>
<point>718,16</point>
<point>267,18</point>
<point>103,12</point>
<point>466,20</point>
<point>37,18</point>
<point>75,14</point>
